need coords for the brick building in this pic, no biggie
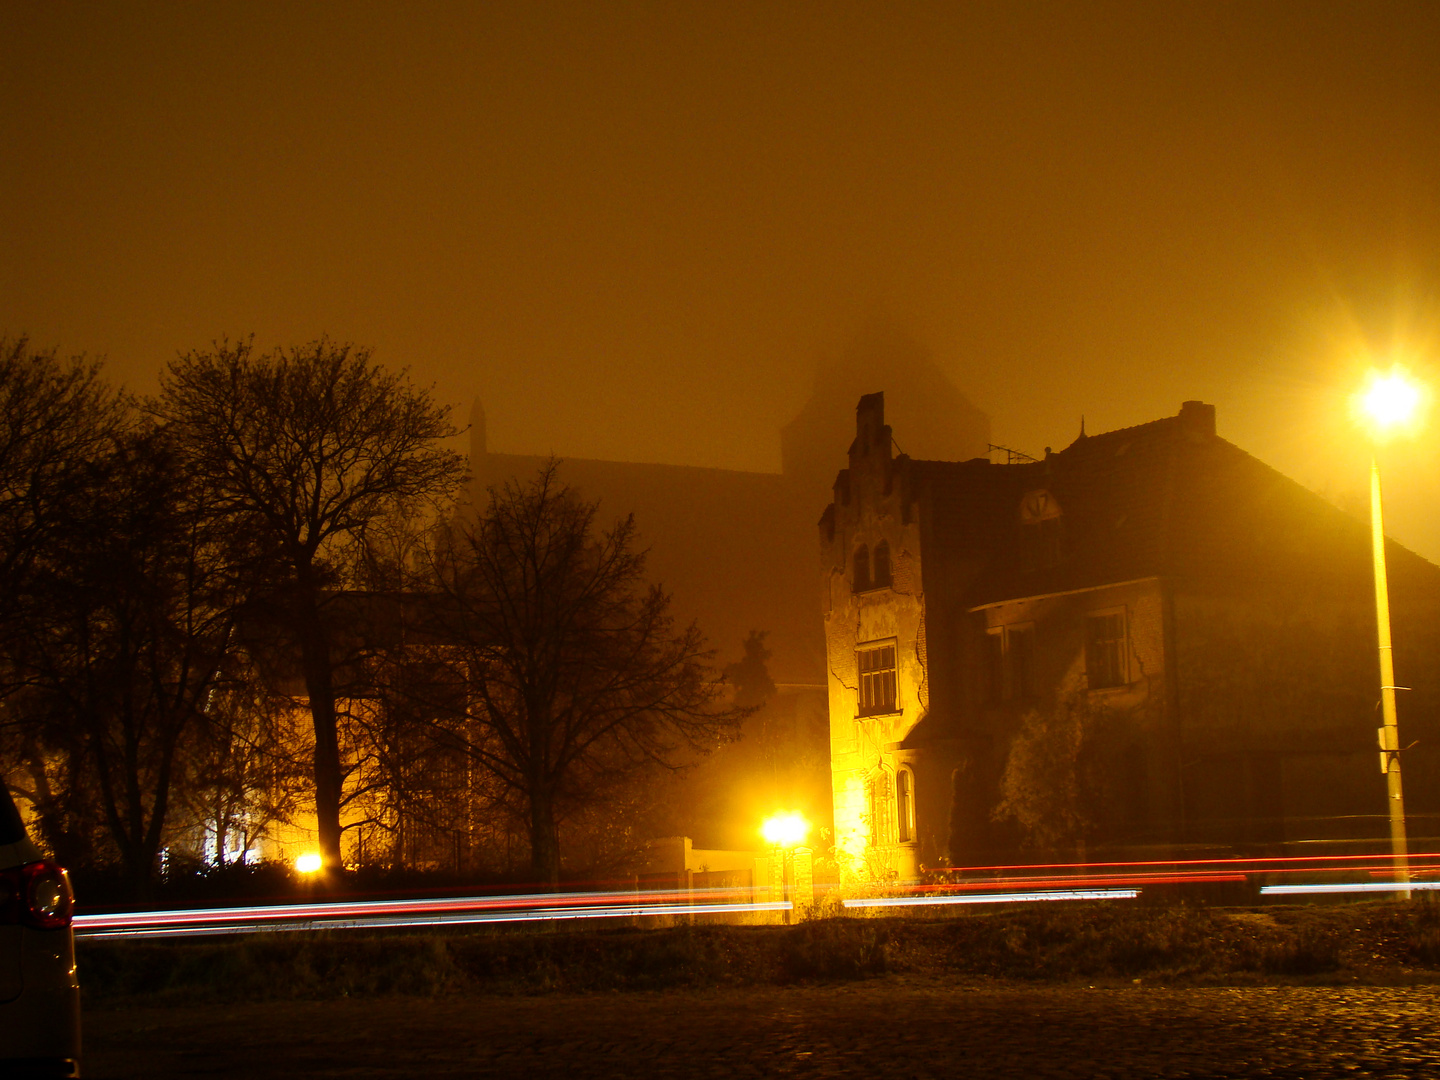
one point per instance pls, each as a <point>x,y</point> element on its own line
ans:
<point>1146,643</point>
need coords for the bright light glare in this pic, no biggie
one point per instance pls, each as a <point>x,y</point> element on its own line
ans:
<point>785,830</point>
<point>308,863</point>
<point>1391,400</point>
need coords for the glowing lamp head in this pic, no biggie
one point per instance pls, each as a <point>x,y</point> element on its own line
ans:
<point>1391,400</point>
<point>785,830</point>
<point>308,863</point>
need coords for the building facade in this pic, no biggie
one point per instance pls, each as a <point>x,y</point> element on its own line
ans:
<point>1145,644</point>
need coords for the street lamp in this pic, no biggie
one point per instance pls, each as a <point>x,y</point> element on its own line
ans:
<point>309,863</point>
<point>1392,403</point>
<point>784,832</point>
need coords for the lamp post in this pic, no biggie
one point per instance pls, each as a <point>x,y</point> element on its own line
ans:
<point>783,832</point>
<point>1391,402</point>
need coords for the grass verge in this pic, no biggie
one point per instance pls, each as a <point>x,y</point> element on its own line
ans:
<point>1045,943</point>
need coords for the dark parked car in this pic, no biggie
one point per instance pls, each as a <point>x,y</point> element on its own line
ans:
<point>39,996</point>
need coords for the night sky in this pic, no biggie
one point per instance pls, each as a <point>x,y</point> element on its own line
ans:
<point>634,230</point>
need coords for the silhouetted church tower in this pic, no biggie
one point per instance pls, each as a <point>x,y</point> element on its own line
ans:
<point>939,422</point>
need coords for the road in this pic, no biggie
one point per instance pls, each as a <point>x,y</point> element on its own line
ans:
<point>884,1028</point>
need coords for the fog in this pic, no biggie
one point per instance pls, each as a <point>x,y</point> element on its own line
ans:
<point>635,231</point>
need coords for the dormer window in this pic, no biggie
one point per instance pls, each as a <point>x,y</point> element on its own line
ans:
<point>882,579</point>
<point>860,574</point>
<point>1042,538</point>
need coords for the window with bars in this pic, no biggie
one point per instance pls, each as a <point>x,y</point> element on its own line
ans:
<point>877,680</point>
<point>881,808</point>
<point>1105,650</point>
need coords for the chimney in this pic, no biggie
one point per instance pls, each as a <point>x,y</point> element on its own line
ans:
<point>1197,418</point>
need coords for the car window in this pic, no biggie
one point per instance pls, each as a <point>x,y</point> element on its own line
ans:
<point>12,829</point>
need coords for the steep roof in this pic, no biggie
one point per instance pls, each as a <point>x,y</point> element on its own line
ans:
<point>1166,498</point>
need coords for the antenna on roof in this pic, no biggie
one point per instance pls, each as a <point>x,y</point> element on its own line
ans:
<point>1012,457</point>
<point>1082,425</point>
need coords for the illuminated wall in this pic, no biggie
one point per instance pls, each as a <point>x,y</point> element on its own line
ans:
<point>872,606</point>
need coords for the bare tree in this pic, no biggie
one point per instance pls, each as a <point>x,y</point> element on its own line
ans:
<point>577,674</point>
<point>307,447</point>
<point>133,622</point>
<point>56,417</point>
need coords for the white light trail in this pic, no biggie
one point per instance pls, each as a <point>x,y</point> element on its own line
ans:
<point>996,898</point>
<point>382,914</point>
<point>1347,887</point>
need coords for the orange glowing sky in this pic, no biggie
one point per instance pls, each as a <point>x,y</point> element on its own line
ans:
<point>633,229</point>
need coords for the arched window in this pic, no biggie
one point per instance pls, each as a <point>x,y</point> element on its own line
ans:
<point>1042,536</point>
<point>860,575</point>
<point>881,579</point>
<point>905,805</point>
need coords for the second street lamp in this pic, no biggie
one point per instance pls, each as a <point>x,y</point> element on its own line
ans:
<point>783,832</point>
<point>1390,402</point>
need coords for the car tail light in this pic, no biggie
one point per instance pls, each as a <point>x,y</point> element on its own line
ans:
<point>37,894</point>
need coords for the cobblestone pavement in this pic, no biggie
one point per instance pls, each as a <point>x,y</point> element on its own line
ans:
<point>882,1029</point>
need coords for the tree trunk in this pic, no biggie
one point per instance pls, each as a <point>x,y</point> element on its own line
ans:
<point>320,686</point>
<point>544,838</point>
<point>221,831</point>
<point>140,875</point>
